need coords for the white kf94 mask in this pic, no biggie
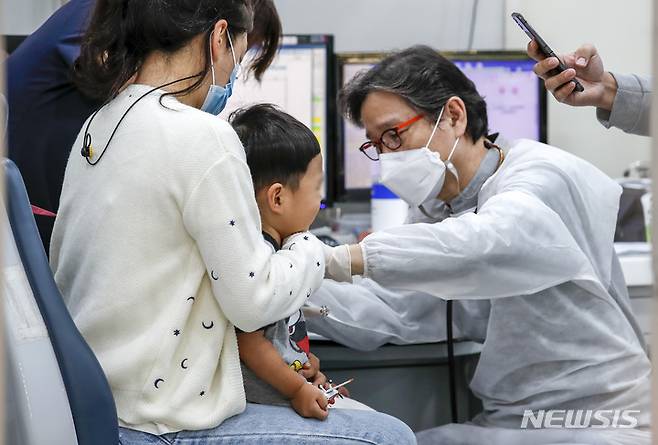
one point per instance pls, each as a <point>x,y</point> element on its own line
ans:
<point>416,175</point>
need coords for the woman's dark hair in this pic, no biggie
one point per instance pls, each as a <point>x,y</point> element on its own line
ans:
<point>265,35</point>
<point>425,79</point>
<point>122,33</point>
<point>278,146</point>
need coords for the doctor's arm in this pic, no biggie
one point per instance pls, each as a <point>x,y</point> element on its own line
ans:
<point>515,245</point>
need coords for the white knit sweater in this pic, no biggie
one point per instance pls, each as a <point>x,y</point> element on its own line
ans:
<point>158,253</point>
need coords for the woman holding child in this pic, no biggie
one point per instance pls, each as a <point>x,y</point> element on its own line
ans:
<point>157,247</point>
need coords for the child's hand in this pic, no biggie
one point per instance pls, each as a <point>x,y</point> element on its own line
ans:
<point>320,380</point>
<point>311,371</point>
<point>309,401</point>
<point>311,368</point>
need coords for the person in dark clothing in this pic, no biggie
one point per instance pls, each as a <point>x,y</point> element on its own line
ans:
<point>46,110</point>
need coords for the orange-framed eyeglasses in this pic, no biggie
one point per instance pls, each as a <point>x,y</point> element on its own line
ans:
<point>390,139</point>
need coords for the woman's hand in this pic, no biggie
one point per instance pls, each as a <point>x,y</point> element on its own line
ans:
<point>309,401</point>
<point>585,63</point>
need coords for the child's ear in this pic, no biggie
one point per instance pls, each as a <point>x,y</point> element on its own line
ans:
<point>275,194</point>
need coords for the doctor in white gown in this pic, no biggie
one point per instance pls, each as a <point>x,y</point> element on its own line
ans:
<point>535,258</point>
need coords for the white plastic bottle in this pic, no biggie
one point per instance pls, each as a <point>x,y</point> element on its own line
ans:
<point>388,210</point>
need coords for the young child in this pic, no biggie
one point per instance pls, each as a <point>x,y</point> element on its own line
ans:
<point>286,167</point>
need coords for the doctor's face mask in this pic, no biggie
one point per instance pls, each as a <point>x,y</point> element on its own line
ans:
<point>418,174</point>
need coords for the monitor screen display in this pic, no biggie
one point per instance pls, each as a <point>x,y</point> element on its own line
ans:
<point>514,107</point>
<point>298,82</point>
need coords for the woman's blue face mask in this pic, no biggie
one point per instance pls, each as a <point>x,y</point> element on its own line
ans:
<point>217,95</point>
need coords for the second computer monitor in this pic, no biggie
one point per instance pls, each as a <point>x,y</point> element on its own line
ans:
<point>516,108</point>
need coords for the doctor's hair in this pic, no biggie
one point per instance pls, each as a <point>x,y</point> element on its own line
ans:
<point>422,77</point>
<point>279,148</point>
<point>122,33</point>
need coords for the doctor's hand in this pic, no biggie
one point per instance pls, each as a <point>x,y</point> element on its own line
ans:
<point>585,63</point>
<point>342,262</point>
<point>338,264</point>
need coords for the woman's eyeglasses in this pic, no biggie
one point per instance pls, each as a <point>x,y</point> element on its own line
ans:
<point>390,139</point>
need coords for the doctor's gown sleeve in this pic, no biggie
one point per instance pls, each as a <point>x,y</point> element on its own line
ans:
<point>515,245</point>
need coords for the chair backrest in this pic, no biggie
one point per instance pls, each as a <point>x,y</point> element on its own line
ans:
<point>59,392</point>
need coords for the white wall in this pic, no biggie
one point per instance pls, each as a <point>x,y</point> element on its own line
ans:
<point>384,25</point>
<point>623,35</point>
<point>22,17</point>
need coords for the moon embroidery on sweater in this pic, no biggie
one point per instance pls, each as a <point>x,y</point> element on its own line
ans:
<point>213,275</point>
<point>182,364</point>
<point>157,382</point>
<point>209,326</point>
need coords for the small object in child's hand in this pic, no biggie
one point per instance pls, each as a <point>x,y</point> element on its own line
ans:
<point>332,392</point>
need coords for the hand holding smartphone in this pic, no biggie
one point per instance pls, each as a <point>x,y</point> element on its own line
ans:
<point>544,48</point>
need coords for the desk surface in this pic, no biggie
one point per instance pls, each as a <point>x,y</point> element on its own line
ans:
<point>335,356</point>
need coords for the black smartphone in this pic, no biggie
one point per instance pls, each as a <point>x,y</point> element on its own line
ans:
<point>543,47</point>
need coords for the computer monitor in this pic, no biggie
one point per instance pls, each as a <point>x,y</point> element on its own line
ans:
<point>301,82</point>
<point>516,108</point>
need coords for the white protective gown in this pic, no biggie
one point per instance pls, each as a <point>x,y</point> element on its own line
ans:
<point>376,315</point>
<point>539,257</point>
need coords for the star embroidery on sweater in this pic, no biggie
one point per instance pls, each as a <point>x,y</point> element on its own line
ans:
<point>291,265</point>
<point>290,292</point>
<point>306,237</point>
<point>202,393</point>
<point>176,332</point>
<point>232,223</point>
<point>251,274</point>
<point>318,263</point>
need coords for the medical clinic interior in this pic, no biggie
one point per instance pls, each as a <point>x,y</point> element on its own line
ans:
<point>327,222</point>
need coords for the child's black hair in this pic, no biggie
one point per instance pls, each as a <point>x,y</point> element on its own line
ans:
<point>279,147</point>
